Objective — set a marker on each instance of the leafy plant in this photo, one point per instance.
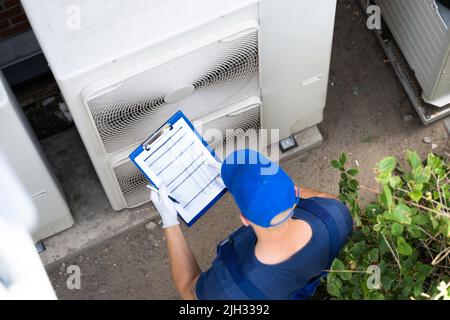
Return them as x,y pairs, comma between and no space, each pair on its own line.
405,233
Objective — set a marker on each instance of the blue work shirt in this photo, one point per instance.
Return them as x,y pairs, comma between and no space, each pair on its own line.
279,281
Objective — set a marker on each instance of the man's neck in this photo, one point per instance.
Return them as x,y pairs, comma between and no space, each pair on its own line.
277,244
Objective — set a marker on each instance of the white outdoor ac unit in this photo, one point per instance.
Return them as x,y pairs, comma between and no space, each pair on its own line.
125,67
23,152
421,30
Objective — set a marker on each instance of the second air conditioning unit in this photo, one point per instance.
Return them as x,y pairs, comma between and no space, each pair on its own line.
421,30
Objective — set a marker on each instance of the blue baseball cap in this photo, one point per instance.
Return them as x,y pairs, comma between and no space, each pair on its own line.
261,188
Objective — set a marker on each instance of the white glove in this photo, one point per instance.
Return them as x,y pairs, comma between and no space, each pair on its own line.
165,207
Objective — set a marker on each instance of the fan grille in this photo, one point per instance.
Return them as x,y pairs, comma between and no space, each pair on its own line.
221,73
132,183
232,127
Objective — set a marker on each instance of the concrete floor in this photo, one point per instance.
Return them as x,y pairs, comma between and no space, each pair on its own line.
368,126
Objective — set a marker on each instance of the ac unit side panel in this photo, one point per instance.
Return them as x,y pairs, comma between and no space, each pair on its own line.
295,51
442,95
219,73
25,156
423,37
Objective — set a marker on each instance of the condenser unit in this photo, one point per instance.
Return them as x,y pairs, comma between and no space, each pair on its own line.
23,152
125,68
421,30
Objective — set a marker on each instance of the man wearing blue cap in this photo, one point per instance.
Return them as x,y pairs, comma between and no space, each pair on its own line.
290,236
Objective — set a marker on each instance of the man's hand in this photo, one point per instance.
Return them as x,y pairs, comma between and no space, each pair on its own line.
165,207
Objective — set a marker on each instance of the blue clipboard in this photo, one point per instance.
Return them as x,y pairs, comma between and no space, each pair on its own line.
153,137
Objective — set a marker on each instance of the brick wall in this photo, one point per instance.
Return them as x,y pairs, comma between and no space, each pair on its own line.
12,19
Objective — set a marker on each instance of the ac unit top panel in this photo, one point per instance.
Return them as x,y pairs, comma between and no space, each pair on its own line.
83,34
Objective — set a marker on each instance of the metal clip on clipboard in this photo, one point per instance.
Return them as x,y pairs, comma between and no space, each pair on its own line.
156,135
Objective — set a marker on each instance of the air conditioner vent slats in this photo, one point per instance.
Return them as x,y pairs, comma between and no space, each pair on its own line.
132,183
221,73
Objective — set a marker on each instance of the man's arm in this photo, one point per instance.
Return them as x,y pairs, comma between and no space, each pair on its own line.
185,269
310,193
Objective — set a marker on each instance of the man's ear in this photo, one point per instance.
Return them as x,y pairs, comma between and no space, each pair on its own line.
244,220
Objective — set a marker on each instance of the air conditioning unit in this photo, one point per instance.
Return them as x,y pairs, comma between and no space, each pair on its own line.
22,150
125,68
421,30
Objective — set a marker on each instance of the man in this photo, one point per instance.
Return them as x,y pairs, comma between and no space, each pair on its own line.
290,236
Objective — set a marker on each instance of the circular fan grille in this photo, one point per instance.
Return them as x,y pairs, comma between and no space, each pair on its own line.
132,183
222,72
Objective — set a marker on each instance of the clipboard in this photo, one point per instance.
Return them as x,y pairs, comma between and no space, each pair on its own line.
177,155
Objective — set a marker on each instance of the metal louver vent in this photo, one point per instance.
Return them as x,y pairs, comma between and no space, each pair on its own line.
132,183
221,73
237,126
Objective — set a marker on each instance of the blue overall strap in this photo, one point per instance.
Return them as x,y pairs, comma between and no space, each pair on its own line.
312,207
231,261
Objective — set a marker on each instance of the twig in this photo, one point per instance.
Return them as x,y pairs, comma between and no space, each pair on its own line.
392,251
346,271
441,256
409,202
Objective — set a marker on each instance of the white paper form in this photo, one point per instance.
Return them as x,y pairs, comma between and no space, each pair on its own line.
180,160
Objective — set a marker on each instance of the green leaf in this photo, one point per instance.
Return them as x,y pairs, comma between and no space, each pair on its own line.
418,289
374,295
335,164
343,159
334,285
403,247
387,164
377,227
415,195
395,181
396,229
386,196
402,214
414,231
413,159
420,219
386,282
434,222
374,255
435,162
353,172
424,269
422,175
338,265
358,248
